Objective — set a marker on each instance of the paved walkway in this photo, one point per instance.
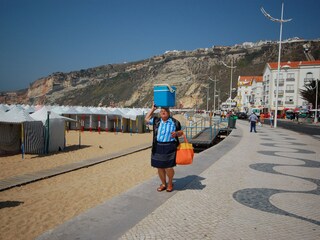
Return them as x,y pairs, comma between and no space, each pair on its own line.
263,185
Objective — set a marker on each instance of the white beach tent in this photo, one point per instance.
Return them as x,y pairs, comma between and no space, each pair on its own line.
85,115
29,109
56,138
4,108
20,132
114,120
133,121
70,112
99,118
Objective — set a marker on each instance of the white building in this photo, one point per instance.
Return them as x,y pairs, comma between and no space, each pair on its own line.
292,77
250,93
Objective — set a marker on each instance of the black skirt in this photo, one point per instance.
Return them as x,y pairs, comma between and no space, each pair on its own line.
164,155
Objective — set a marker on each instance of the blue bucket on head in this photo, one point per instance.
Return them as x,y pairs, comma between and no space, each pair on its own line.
164,95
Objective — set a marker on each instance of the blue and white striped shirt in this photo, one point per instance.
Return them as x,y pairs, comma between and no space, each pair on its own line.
164,130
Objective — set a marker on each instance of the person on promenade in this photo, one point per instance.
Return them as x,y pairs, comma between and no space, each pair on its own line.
262,119
166,131
253,121
271,118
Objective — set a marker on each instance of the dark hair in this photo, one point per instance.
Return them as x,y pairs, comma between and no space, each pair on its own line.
166,109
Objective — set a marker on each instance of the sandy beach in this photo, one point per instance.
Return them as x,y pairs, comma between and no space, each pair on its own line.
28,211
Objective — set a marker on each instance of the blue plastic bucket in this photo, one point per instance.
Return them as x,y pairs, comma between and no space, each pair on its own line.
164,95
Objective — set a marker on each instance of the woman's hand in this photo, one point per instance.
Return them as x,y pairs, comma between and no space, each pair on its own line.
149,114
154,107
176,134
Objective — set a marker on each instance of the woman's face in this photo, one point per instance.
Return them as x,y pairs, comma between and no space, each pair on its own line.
164,114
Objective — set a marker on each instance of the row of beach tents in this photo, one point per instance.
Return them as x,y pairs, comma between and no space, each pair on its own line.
42,129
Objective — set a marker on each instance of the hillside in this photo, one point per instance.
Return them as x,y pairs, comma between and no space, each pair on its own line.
131,84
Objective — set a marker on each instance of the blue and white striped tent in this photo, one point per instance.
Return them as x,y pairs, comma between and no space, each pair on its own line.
57,124
20,132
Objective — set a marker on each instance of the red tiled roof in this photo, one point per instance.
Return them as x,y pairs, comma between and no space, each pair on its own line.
247,80
274,65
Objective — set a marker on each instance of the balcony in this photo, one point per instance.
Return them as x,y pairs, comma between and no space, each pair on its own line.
281,80
289,102
280,92
289,91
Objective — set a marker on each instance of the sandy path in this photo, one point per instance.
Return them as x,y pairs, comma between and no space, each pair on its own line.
93,144
28,211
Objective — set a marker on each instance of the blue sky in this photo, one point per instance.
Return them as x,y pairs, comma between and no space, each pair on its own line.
40,37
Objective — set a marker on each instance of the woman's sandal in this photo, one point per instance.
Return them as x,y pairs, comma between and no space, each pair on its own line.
161,188
170,188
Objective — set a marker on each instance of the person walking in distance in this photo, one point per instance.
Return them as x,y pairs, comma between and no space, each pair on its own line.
262,118
166,131
271,119
253,121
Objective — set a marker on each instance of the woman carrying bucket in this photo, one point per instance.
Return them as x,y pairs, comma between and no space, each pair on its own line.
166,131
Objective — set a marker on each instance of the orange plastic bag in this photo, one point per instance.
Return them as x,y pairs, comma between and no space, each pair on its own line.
185,153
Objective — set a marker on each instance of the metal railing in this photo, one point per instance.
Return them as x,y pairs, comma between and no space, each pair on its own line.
205,123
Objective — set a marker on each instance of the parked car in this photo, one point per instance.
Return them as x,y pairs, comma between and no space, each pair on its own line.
304,114
290,114
242,115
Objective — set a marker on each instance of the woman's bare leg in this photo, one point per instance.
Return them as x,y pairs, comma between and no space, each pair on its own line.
170,174
162,176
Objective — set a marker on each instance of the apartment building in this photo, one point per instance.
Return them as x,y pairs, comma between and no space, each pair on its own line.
292,78
260,91
250,93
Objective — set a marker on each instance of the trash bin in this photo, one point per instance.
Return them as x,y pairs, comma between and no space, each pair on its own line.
232,121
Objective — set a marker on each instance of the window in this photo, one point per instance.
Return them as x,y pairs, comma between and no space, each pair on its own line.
289,100
280,76
309,75
290,88
308,78
290,75
280,79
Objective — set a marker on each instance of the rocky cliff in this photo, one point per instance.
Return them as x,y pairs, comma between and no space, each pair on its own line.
131,84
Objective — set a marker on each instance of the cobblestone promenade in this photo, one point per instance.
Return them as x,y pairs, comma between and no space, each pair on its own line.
263,185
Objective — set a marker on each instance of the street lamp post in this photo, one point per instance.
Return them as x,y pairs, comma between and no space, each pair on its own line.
279,56
231,67
208,97
316,106
214,93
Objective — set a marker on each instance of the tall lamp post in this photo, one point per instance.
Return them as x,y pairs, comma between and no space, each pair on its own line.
279,55
208,97
231,67
316,106
214,93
